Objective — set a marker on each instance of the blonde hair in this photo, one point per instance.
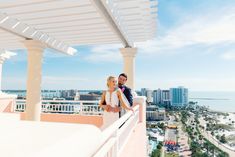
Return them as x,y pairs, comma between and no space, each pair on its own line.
109,79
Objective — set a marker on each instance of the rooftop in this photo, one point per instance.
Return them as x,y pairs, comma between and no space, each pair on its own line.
40,128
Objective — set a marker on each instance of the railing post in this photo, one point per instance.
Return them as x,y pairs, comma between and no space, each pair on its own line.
13,105
81,108
115,147
141,101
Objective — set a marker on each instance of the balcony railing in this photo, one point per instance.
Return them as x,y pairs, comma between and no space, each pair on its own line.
116,136
64,106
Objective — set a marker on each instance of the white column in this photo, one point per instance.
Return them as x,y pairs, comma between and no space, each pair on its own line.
129,65
34,76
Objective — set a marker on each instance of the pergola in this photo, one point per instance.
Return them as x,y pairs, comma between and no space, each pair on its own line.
59,25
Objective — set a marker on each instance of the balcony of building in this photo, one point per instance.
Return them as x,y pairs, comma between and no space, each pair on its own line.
69,128
35,127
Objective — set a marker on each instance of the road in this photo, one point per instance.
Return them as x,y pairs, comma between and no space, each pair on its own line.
209,137
184,150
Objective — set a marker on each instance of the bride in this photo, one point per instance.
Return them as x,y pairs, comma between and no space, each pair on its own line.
110,100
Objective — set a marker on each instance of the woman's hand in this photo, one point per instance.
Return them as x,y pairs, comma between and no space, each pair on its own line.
131,109
107,108
116,109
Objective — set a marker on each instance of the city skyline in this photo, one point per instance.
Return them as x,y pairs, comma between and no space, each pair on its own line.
183,53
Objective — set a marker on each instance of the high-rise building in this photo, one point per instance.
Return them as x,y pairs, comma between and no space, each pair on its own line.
166,98
148,93
157,96
179,96
149,96
144,91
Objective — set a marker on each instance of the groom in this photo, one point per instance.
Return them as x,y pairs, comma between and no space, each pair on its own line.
122,78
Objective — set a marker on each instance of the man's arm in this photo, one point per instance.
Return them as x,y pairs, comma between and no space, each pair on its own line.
128,95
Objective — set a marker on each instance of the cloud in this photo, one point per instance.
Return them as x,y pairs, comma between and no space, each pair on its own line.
213,28
228,55
54,78
105,53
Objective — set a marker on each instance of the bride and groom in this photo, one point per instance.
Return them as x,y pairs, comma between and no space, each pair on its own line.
114,99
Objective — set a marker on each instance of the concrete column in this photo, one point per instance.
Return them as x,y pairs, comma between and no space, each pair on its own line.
34,76
129,65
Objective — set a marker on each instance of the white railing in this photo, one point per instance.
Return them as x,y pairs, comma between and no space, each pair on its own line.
64,106
116,136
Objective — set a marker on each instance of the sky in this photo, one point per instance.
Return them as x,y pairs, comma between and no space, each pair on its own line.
194,47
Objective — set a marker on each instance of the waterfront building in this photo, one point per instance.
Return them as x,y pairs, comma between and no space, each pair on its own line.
179,96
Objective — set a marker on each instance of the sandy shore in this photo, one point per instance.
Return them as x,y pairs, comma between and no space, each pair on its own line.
228,120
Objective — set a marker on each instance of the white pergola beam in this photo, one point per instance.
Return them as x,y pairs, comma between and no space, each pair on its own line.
55,13
66,16
103,10
89,38
91,21
28,32
76,28
94,42
100,34
44,6
9,4
85,31
65,19
62,24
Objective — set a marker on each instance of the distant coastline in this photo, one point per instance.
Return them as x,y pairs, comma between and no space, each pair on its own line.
216,101
209,98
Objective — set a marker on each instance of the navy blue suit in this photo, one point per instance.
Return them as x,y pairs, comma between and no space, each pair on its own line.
127,92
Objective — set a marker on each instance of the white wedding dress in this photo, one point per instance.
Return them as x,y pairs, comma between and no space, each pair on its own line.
112,100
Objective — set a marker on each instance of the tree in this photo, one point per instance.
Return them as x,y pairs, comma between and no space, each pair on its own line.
161,126
206,145
159,146
157,152
223,139
200,137
212,133
223,154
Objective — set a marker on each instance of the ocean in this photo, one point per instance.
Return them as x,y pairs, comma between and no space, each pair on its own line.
218,101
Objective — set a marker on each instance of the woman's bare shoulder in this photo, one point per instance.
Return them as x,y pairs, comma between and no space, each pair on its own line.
119,91
104,92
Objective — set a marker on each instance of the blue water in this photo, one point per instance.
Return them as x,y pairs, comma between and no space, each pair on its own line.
219,101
